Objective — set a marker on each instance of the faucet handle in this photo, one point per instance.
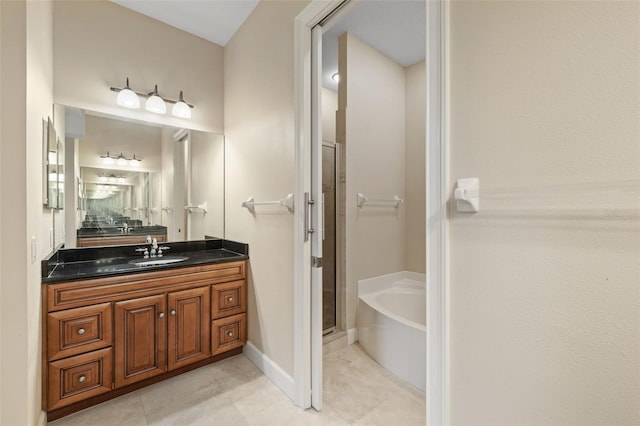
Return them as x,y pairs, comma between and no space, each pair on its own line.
144,251
165,248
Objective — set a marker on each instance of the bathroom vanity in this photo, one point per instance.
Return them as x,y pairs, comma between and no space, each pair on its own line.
115,322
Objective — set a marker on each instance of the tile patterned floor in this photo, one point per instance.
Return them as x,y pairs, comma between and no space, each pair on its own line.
233,392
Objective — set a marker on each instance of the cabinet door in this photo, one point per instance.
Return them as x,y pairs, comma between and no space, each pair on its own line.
188,326
140,343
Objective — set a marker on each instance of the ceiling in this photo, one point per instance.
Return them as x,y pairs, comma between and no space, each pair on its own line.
213,20
397,28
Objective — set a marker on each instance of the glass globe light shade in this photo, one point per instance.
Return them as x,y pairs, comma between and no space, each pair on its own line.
181,109
155,103
127,98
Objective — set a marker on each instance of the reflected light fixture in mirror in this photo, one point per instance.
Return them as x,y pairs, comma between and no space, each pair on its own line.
120,160
128,98
155,103
111,178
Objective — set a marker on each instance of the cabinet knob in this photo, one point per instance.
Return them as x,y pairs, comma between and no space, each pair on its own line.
81,331
230,334
82,379
229,299
172,313
161,315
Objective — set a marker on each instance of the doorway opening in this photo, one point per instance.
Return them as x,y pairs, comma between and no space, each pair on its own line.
372,97
308,347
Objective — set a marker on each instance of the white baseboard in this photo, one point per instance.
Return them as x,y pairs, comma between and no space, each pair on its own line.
270,369
42,420
352,335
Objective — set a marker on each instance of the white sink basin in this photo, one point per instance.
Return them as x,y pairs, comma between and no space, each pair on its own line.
158,260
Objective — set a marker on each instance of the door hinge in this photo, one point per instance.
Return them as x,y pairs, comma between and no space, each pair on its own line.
316,262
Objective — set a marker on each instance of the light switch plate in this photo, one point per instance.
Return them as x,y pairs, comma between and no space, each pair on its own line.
34,249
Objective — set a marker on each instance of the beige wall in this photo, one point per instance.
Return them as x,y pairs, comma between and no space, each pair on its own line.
26,74
259,113
99,43
375,163
545,97
329,108
415,191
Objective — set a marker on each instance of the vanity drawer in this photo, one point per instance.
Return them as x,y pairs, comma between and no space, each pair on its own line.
76,378
228,333
228,299
79,330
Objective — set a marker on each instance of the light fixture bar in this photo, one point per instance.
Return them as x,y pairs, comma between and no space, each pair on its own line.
113,159
147,95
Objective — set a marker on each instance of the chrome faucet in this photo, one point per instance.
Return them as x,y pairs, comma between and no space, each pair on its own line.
154,247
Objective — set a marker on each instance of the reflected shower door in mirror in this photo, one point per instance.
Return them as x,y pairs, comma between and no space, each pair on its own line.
54,167
136,180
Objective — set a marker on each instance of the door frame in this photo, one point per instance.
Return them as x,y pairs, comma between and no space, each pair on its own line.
437,177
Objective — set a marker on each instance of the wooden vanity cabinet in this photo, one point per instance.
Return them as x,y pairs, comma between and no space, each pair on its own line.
111,335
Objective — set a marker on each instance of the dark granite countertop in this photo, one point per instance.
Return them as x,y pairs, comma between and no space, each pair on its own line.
94,262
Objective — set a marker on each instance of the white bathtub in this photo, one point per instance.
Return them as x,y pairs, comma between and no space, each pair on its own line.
391,317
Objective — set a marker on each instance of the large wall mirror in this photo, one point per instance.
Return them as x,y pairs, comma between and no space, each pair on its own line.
135,180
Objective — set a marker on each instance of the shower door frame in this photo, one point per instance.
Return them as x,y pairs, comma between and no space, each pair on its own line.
307,354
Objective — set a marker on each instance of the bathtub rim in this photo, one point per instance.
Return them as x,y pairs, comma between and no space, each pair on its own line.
404,281
370,300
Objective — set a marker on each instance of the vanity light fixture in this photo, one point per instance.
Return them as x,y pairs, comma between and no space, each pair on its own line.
120,160
129,98
112,178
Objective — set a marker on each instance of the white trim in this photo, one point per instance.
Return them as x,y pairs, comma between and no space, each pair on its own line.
270,369
437,195
437,392
317,214
352,336
303,23
42,419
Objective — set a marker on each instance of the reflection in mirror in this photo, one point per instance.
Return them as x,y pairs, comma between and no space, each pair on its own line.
135,179
54,169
